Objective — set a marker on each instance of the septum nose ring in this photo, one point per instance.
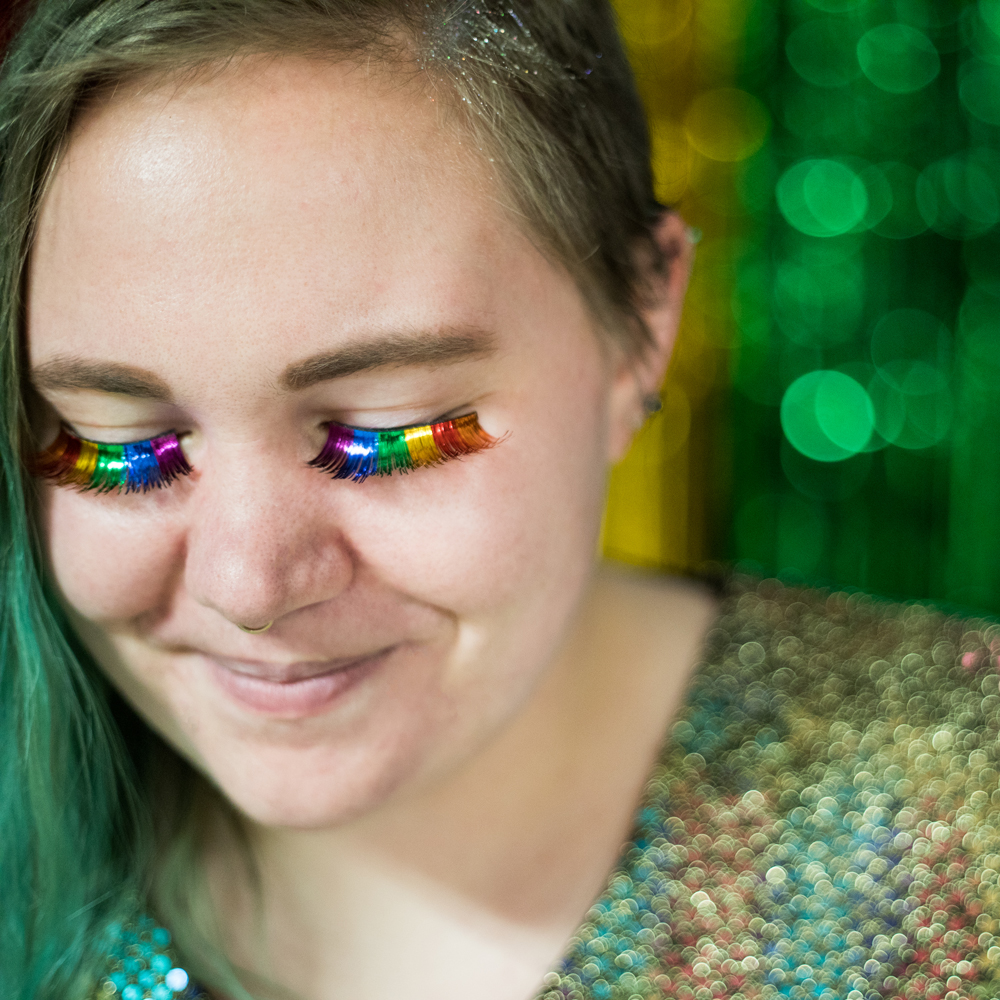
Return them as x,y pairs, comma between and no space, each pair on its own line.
255,631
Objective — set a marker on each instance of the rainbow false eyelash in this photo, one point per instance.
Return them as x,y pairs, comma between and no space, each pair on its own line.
130,468
355,453
349,453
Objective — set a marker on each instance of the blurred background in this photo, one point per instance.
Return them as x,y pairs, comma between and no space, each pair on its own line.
831,414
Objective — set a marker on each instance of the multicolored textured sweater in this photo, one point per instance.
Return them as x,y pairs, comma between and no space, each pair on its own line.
824,821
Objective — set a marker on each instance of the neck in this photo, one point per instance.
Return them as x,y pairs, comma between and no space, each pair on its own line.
504,856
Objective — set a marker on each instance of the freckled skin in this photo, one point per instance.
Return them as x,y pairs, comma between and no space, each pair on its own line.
217,232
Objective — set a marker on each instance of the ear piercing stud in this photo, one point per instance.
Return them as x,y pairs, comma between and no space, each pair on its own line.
652,404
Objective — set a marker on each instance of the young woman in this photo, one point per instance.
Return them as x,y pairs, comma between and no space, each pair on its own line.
325,319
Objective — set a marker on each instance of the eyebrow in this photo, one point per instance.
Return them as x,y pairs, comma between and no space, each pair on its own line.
398,351
65,372
100,376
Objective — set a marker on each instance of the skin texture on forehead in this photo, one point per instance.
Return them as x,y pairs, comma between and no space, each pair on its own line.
212,164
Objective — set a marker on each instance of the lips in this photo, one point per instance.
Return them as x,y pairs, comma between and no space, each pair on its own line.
295,690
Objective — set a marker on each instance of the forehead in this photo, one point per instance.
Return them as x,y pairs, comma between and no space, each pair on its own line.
260,194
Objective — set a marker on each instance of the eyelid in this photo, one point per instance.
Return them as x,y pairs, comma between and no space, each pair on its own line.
93,413
453,414
145,433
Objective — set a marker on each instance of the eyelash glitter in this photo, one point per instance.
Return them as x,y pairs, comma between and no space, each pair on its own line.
353,453
130,468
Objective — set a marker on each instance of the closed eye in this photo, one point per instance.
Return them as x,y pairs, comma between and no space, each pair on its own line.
354,453
133,467
357,453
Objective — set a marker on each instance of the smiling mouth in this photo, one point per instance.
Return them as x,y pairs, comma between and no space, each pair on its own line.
293,690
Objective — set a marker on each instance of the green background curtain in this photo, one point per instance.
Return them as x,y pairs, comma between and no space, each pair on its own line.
831,413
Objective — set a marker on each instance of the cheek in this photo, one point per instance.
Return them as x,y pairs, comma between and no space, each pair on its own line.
113,558
475,535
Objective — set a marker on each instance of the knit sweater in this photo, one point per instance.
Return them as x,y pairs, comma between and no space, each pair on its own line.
823,821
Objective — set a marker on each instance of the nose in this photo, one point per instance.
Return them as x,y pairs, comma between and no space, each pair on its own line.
263,540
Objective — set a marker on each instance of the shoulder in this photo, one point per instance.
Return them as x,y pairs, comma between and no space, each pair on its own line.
825,817
833,670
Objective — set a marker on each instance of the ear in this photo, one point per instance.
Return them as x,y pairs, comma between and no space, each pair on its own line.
638,377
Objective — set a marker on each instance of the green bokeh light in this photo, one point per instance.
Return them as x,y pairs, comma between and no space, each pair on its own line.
833,481
830,252
898,58
979,90
794,361
910,335
822,197
930,407
911,350
913,406
821,116
880,196
819,305
823,52
827,416
979,329
981,257
863,419
989,11
957,196
903,220
927,15
980,311
981,35
889,405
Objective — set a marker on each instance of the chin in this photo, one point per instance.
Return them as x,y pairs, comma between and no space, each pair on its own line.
312,790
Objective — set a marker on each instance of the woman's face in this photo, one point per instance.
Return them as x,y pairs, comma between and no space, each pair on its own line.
243,259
